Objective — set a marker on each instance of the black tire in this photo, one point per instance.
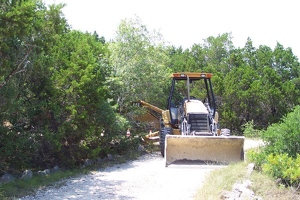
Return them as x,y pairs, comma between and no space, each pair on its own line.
162,137
242,155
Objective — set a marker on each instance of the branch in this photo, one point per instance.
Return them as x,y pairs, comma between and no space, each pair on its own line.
16,70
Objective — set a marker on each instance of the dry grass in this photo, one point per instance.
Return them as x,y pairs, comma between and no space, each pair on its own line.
263,186
221,180
266,187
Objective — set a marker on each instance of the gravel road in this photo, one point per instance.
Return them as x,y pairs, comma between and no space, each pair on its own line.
145,178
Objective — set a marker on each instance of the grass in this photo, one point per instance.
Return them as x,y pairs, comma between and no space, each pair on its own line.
266,187
263,186
221,180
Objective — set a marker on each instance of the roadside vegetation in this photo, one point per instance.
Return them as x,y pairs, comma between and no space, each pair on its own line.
221,181
66,96
23,187
276,172
280,158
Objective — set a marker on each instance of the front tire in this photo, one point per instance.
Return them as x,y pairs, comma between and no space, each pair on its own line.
162,139
242,155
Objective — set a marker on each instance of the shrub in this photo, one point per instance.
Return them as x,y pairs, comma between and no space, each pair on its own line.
284,167
1,193
249,131
283,138
257,157
293,172
280,157
16,150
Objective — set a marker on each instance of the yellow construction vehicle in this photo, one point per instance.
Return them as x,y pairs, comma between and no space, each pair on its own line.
189,128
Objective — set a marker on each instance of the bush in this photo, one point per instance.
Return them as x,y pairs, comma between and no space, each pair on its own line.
123,145
1,193
284,167
249,131
257,157
280,157
16,150
283,138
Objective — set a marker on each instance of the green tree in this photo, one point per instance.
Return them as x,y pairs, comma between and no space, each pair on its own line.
272,101
217,52
27,30
249,54
185,60
264,57
79,76
287,67
278,70
139,60
285,63
241,97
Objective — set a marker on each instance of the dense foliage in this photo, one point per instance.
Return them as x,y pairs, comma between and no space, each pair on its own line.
280,157
283,137
283,168
139,61
66,96
54,104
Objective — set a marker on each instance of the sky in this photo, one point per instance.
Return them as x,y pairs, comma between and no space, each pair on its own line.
188,22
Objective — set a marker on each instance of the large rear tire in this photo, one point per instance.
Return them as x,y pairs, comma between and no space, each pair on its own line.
162,138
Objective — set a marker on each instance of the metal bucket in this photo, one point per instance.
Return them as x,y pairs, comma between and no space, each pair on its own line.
219,149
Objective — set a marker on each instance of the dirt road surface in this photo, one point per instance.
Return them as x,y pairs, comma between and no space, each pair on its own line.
143,179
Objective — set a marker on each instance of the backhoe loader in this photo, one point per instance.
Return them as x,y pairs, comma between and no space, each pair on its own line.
189,128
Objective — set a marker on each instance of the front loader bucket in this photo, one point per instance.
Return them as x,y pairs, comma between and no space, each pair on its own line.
219,149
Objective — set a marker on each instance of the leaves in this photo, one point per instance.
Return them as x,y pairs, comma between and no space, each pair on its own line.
54,89
284,167
139,63
283,137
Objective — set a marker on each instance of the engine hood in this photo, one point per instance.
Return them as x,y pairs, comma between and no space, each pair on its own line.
195,107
